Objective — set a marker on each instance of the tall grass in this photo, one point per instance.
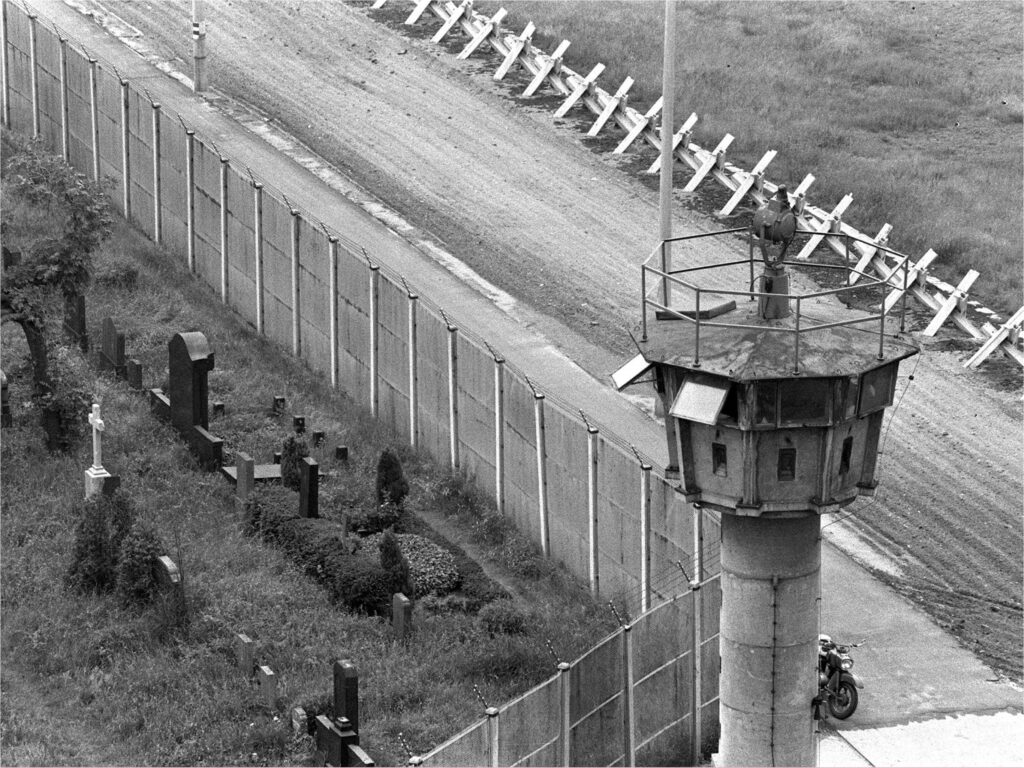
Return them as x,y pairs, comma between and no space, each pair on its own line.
913,108
87,681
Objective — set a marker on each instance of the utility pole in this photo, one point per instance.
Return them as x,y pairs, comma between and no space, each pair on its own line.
198,47
668,89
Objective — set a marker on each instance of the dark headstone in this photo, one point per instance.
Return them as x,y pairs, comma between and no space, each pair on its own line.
318,438
74,321
5,402
278,404
112,349
401,615
277,457
341,453
346,692
299,424
218,408
309,488
208,448
329,746
190,359
267,681
133,369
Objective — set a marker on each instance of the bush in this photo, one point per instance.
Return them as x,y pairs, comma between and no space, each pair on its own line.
104,522
393,562
377,520
293,452
136,581
359,583
504,617
391,483
433,568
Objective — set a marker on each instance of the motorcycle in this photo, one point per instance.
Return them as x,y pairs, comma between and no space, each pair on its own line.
837,685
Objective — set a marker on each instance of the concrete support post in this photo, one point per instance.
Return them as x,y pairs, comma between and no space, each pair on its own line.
771,571
65,126
493,735
224,230
542,472
645,537
33,64
190,198
5,72
453,394
296,309
126,169
592,459
332,292
157,199
374,362
257,226
696,673
413,375
499,434
628,699
565,715
94,118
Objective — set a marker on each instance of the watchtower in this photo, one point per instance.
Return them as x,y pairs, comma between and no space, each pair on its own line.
773,405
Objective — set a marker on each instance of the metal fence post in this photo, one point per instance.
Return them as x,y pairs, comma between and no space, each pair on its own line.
190,198
5,73
542,472
332,289
296,315
453,394
592,459
645,537
374,311
33,73
493,734
413,378
94,117
499,434
697,666
65,129
224,230
126,171
157,200
257,225
565,721
629,701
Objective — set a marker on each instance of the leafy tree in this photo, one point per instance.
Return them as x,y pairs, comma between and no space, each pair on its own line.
293,452
394,562
71,217
391,483
103,524
136,580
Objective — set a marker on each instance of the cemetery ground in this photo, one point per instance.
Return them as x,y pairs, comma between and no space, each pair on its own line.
86,680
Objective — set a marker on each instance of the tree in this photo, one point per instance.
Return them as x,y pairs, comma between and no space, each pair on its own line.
394,562
58,218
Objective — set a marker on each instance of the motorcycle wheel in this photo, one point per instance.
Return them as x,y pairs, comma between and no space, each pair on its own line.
843,703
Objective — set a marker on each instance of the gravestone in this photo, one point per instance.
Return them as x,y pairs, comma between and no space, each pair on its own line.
96,476
112,350
133,370
245,478
318,437
245,653
267,681
74,321
171,587
299,424
190,359
401,615
309,488
300,721
346,692
5,403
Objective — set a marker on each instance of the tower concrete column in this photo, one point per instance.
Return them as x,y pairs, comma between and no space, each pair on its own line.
771,576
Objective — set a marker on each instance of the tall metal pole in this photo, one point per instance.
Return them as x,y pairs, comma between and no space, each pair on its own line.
198,47
668,89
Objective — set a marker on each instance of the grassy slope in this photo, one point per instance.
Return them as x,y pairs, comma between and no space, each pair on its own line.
87,682
913,108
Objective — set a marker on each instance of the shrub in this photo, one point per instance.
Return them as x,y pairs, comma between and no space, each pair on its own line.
391,483
393,562
104,522
377,520
293,452
136,581
504,617
359,583
432,567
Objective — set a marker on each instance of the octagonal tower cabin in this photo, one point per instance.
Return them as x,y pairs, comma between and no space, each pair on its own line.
773,410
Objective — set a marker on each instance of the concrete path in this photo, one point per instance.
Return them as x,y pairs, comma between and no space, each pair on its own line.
926,701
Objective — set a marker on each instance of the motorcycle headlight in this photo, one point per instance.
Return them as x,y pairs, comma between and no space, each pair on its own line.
846,663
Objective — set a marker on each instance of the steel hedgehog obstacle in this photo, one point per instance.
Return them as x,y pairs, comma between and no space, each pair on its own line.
773,404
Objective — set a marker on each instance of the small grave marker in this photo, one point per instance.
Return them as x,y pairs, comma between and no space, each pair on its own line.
278,407
318,437
341,453
401,615
299,424
218,408
309,488
133,370
267,681
5,403
112,349
245,478
346,692
96,475
245,653
300,721
277,457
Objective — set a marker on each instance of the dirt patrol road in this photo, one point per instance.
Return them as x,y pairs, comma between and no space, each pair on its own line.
527,205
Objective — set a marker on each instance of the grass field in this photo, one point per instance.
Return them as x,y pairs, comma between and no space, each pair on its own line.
87,681
914,108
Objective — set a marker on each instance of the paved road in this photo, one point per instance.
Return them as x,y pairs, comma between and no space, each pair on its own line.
926,700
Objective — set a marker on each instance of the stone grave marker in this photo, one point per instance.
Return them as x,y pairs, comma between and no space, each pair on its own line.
133,371
96,476
299,424
190,359
74,321
401,615
267,681
245,478
112,350
346,692
169,578
245,653
309,488
300,721
5,403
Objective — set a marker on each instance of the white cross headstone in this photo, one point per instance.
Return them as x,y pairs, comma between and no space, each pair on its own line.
96,474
